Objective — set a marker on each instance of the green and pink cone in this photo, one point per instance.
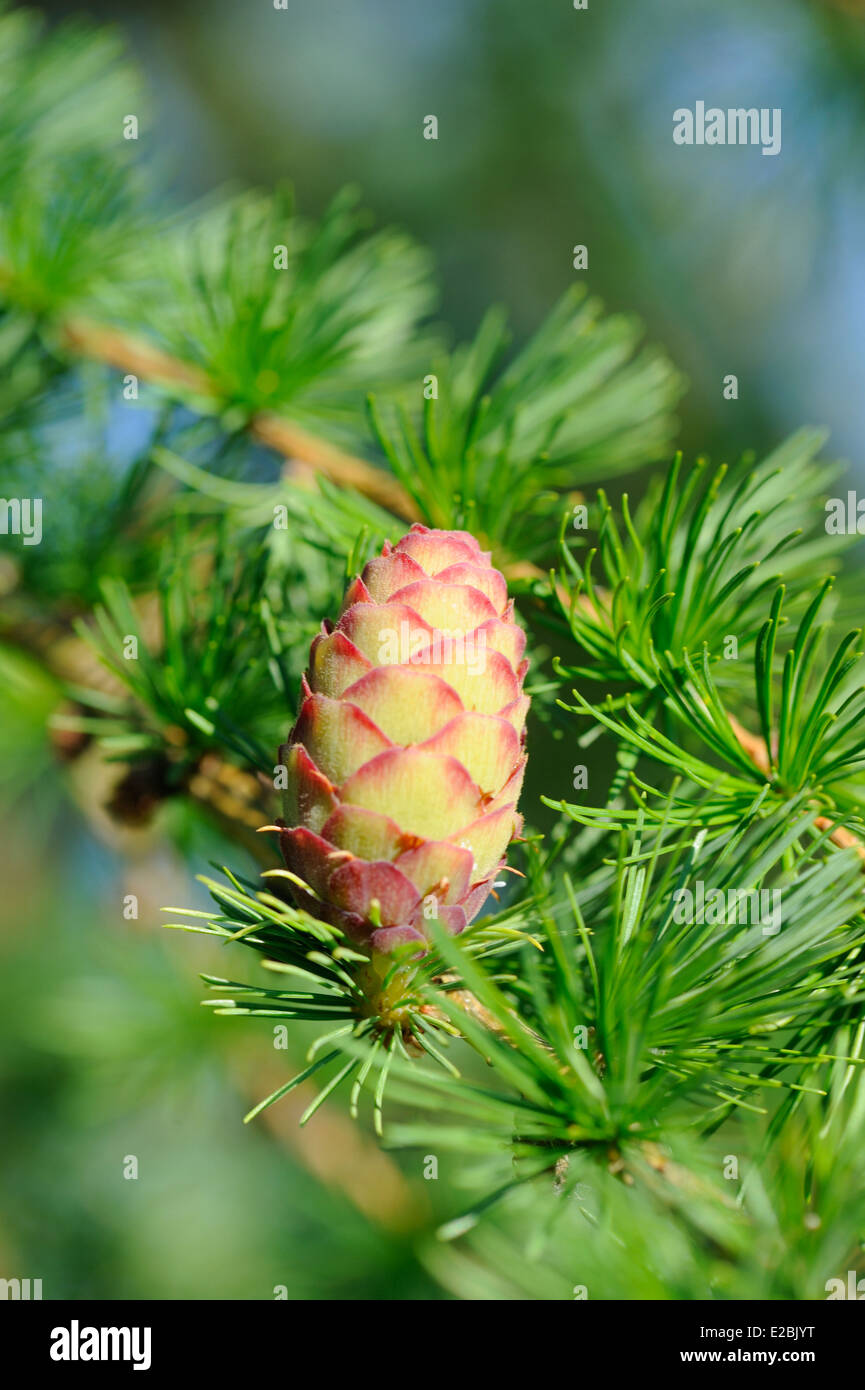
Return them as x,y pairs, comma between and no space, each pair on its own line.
406,761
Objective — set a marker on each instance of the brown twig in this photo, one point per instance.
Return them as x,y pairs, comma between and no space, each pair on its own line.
103,343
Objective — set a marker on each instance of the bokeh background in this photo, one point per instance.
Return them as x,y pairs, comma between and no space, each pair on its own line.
555,128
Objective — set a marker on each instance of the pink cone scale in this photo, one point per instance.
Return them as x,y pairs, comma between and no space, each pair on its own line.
404,768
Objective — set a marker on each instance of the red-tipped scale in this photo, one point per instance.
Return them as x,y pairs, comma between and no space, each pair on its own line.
406,761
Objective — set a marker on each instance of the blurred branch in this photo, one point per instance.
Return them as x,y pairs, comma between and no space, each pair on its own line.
339,1153
233,796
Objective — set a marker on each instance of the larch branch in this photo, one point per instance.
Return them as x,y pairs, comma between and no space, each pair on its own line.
104,343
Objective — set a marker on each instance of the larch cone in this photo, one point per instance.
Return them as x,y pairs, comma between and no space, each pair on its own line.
404,768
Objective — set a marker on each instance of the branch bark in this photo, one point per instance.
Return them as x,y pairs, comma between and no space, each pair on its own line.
103,343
